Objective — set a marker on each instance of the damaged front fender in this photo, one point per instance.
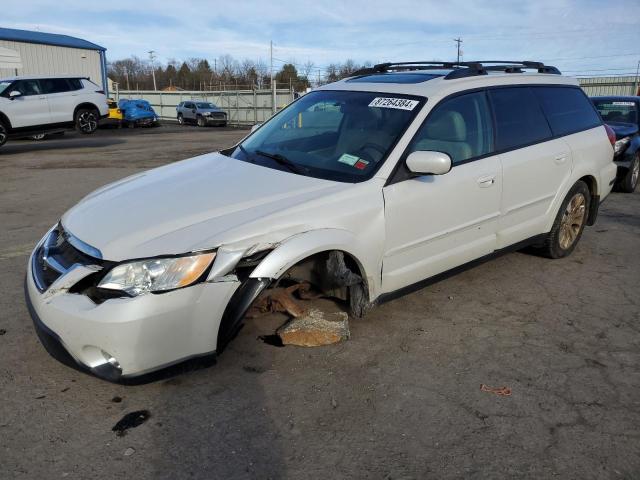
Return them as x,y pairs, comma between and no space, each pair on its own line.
306,244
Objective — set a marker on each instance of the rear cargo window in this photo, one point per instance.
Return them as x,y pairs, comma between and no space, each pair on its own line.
519,118
567,109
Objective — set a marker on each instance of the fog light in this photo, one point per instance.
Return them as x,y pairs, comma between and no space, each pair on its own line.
111,359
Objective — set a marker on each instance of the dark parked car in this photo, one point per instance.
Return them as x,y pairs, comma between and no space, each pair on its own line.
622,114
200,113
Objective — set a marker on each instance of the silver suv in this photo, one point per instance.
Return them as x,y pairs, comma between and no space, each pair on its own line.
200,113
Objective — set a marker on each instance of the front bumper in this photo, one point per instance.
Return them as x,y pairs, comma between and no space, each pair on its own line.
216,121
124,338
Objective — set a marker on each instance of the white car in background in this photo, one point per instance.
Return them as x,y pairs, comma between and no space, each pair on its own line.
34,105
366,188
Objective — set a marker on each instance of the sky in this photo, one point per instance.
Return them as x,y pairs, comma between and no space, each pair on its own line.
581,37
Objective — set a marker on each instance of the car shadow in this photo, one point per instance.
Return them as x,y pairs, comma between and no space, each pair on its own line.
15,148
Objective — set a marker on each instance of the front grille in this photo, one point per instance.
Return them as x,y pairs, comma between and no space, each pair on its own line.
218,115
55,257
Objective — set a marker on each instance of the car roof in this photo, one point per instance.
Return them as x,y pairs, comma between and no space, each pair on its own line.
437,85
39,77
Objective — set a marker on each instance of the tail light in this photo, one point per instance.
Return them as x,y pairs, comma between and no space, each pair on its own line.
611,134
119,111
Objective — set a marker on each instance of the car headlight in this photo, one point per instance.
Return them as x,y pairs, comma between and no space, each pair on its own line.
206,114
621,145
157,274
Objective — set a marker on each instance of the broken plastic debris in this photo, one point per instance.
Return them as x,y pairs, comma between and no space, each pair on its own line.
282,300
131,420
502,391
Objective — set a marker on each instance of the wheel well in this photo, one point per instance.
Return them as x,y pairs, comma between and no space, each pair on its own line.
592,185
86,105
5,121
334,273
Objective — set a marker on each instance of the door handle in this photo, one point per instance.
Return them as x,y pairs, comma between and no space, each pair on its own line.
487,181
42,97
561,158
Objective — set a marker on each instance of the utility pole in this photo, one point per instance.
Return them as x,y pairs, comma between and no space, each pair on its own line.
126,74
635,84
458,41
152,57
273,86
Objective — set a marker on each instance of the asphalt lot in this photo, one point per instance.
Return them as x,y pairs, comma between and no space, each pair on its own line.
400,400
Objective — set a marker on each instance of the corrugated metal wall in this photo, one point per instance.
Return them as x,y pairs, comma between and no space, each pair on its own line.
594,86
243,107
40,59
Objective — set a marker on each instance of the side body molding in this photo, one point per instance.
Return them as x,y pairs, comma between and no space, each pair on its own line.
303,245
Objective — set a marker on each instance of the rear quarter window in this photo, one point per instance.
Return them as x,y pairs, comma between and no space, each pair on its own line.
568,109
519,118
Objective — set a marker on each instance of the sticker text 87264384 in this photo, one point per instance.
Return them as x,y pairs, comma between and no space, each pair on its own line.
399,103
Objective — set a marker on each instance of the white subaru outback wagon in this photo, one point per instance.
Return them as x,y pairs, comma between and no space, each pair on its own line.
365,188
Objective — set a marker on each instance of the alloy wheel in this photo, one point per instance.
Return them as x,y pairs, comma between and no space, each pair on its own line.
635,173
87,121
3,135
572,220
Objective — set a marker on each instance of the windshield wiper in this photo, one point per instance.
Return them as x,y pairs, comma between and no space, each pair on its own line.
246,154
281,159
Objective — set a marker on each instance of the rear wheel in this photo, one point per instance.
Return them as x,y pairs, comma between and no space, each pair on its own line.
569,224
38,136
629,182
3,134
86,120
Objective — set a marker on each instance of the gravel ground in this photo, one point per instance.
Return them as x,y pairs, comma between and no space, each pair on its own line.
401,399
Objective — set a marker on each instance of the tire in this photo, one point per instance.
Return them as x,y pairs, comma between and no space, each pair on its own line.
39,136
180,119
569,223
86,120
629,182
201,121
3,134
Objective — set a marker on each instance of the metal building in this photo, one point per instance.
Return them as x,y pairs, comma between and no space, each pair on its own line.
37,53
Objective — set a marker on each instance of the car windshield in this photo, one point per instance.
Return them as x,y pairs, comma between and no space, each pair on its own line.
624,111
334,135
4,85
205,105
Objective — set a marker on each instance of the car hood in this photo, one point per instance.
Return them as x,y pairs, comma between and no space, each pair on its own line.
190,205
623,129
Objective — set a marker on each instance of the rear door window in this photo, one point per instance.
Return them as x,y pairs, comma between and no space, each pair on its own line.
519,118
567,109
55,85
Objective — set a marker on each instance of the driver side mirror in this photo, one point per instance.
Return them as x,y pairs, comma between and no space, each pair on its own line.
14,94
255,127
428,163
